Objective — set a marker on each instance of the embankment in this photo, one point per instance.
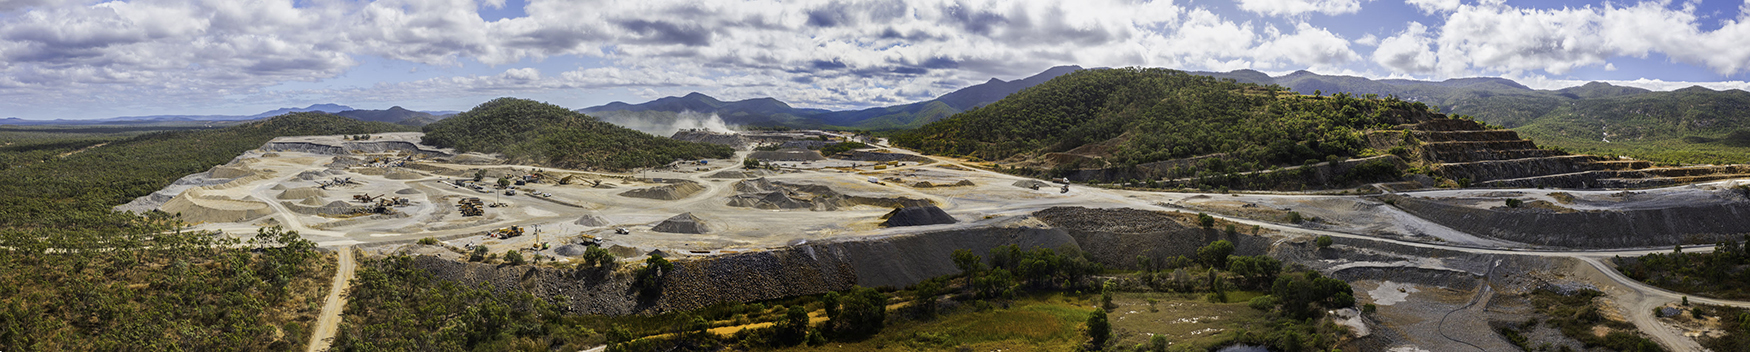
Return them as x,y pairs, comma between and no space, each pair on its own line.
1589,229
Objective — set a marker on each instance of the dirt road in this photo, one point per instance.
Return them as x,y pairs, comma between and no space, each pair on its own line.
329,322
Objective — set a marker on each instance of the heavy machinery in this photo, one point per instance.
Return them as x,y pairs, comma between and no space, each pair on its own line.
366,198
470,207
504,233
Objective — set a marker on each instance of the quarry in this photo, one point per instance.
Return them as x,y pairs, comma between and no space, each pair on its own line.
1441,264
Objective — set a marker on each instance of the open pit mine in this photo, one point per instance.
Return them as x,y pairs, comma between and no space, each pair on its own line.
1440,265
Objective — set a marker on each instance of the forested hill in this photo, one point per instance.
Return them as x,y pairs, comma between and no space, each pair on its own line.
538,132
1130,116
1690,125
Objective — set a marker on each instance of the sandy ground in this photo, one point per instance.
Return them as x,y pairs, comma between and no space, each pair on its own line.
328,323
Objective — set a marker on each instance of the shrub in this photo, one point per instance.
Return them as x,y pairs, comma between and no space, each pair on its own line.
1205,221
513,257
1294,217
1514,203
1099,330
479,254
1263,303
1324,241
428,241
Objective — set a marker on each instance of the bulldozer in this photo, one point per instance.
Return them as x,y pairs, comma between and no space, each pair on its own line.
505,233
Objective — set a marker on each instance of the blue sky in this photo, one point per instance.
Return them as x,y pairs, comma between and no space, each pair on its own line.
84,59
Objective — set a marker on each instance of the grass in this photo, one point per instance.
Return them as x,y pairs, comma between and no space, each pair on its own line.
1188,321
1055,322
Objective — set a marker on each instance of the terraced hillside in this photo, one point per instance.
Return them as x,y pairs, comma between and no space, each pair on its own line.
1466,152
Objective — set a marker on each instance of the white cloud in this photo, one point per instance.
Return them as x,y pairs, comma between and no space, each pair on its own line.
168,54
1367,40
1544,82
1296,7
1409,51
1431,7
1497,38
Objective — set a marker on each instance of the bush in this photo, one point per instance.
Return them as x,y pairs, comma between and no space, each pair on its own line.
479,254
1324,241
1205,221
428,241
1514,203
1099,329
513,257
1294,217
1263,303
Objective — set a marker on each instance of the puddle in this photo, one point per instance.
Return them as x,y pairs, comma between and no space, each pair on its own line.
1390,293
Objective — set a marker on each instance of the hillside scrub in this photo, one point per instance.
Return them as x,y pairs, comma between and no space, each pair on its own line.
1723,273
551,135
1147,115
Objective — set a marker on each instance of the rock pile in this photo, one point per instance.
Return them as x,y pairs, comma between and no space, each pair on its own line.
676,191
683,223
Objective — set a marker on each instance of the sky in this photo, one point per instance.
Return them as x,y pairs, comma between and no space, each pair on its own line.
83,59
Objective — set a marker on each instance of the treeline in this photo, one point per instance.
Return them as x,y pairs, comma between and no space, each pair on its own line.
551,135
1723,273
1145,115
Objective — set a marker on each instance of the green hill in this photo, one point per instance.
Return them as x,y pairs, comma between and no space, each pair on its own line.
531,131
1691,125
1125,117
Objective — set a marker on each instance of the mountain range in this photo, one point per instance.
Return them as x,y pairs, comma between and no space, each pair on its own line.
396,115
767,112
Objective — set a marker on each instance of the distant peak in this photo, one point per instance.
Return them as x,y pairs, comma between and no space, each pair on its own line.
697,95
396,108
993,80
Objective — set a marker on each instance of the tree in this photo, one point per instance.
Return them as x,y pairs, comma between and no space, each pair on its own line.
1324,241
649,278
750,163
862,311
1099,330
1255,271
479,175
1205,221
479,254
967,262
503,182
1214,255
514,257
793,330
595,256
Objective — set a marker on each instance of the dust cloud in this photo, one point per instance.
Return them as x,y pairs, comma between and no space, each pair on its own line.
663,123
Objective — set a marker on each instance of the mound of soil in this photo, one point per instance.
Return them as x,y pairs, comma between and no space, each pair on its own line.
278,187
312,201
684,223
302,192
927,184
917,216
1030,184
676,191
197,209
223,171
407,191
592,220
401,174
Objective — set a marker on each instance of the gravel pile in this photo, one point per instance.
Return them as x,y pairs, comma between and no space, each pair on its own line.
917,216
683,223
676,191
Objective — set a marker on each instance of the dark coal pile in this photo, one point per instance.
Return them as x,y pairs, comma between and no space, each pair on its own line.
792,154
917,216
684,223
570,250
